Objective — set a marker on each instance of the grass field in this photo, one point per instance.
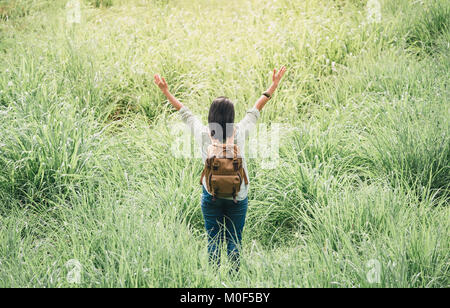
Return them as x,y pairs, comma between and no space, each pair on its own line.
361,198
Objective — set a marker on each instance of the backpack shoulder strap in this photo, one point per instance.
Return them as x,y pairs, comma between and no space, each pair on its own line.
245,176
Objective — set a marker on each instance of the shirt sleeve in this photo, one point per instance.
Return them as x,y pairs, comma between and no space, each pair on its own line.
248,123
193,123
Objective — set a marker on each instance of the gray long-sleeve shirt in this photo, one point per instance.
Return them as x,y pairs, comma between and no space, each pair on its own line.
201,135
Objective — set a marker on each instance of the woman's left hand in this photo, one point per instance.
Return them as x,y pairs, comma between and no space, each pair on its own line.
161,83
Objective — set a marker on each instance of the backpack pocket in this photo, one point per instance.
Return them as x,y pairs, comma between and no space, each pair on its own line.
226,185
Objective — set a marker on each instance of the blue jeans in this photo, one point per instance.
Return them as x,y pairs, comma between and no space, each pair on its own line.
223,217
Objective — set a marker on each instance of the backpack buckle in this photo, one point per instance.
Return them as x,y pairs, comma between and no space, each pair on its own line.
216,165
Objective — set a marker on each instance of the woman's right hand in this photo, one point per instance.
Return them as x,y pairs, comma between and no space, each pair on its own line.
276,77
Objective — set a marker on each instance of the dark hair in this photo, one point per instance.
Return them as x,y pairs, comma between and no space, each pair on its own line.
221,112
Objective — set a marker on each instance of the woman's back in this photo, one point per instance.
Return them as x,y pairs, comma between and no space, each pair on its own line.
202,135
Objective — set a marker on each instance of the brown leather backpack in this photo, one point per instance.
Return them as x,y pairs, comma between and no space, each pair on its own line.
223,171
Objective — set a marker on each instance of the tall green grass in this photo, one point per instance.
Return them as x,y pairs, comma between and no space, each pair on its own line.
86,164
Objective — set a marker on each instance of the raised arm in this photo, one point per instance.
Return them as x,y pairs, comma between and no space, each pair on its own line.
162,84
193,123
276,77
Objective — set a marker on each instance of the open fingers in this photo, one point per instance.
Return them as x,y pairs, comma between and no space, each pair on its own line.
282,71
157,80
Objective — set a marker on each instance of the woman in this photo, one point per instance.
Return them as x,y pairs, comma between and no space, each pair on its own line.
223,216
